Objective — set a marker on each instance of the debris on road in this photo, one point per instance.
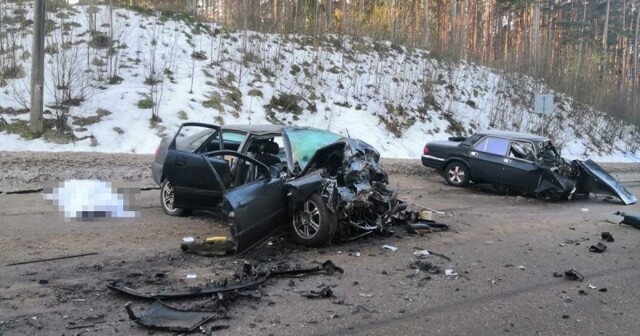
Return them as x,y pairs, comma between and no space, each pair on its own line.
256,278
210,246
608,237
572,274
421,253
521,267
450,273
389,247
425,266
630,219
50,259
592,286
324,293
598,248
426,227
163,317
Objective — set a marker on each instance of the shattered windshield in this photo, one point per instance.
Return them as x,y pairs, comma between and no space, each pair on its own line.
305,142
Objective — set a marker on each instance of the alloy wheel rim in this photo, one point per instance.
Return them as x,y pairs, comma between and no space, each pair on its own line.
167,196
456,175
307,220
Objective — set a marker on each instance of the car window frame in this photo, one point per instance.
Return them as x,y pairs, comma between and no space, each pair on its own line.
493,137
533,147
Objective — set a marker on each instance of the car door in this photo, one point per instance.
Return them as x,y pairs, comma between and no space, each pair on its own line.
487,159
520,170
196,185
256,208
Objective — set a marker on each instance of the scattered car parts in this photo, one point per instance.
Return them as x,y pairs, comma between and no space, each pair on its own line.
572,274
598,248
630,219
256,278
163,317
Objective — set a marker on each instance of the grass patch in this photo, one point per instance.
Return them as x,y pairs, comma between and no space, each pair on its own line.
90,120
146,103
118,130
214,102
255,93
289,103
182,115
19,127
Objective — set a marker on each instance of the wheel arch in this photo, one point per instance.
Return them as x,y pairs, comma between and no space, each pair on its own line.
450,160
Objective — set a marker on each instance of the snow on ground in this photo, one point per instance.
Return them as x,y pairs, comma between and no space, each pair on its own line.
394,98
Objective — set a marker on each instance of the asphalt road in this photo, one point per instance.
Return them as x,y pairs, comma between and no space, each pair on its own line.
504,248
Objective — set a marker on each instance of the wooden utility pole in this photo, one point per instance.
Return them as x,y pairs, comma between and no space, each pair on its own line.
37,73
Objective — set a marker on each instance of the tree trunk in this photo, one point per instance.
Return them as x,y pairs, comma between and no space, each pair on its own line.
426,31
635,67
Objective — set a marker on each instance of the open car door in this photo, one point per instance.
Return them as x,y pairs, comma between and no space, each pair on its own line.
256,208
198,181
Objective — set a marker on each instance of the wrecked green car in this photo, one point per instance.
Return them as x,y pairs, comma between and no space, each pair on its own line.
319,184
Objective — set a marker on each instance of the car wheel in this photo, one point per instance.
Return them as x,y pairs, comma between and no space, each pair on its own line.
457,174
166,199
313,224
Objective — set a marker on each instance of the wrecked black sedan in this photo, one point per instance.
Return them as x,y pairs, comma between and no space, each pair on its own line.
264,177
525,163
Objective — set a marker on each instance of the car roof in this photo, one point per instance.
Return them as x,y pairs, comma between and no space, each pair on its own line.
256,129
513,135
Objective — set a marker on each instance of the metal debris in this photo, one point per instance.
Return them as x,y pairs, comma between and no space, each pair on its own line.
572,274
56,258
256,278
324,293
630,219
598,248
606,236
160,316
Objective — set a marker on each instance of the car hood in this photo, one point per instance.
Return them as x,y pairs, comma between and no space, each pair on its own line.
595,179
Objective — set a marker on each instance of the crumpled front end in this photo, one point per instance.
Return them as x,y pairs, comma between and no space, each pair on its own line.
355,187
562,180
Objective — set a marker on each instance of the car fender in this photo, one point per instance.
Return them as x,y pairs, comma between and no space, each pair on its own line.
300,189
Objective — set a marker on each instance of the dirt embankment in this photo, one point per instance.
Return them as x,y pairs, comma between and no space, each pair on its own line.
32,170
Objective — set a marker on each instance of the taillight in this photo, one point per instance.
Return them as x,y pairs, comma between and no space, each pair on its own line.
425,151
158,151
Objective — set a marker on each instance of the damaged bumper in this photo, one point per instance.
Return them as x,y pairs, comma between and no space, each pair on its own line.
581,178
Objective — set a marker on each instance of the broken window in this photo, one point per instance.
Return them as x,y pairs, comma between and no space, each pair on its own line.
305,142
492,145
522,150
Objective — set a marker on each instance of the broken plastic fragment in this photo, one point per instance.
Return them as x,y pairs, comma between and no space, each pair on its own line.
608,237
573,275
522,267
160,316
390,248
598,248
592,286
421,253
450,272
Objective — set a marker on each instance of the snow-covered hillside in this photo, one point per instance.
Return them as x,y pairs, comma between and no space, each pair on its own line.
395,98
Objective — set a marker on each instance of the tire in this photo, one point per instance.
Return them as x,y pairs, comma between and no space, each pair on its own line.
312,223
457,174
166,200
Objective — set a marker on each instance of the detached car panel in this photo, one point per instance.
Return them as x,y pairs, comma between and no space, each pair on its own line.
522,162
